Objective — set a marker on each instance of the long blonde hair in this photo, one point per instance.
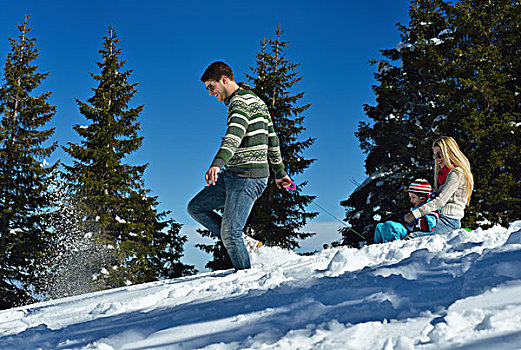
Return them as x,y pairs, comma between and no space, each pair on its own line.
453,155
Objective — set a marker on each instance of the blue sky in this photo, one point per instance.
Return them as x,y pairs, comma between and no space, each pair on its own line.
168,44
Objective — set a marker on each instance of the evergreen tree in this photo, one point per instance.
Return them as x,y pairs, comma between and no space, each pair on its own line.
456,78
278,215
397,142
220,258
23,174
112,192
169,257
486,104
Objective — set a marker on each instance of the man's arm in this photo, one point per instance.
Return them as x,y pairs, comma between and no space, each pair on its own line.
275,156
237,126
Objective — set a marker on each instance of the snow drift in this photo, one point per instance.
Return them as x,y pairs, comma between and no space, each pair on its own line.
462,291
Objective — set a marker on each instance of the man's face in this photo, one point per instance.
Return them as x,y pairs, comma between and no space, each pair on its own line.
216,88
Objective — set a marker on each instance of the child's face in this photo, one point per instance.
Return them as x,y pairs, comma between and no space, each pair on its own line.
415,200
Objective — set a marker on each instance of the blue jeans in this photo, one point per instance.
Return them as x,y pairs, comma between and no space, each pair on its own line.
235,195
444,226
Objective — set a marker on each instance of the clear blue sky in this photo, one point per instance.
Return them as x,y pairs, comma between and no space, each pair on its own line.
168,44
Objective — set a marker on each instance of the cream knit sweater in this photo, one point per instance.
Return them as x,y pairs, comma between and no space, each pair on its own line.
451,199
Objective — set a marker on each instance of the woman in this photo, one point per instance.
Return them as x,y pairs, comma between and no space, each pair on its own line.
453,183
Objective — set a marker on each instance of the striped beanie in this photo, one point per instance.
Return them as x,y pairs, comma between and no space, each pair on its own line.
420,187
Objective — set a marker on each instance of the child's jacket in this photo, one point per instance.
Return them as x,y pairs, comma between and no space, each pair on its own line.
391,230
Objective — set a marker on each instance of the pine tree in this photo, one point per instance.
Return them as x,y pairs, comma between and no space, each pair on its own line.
456,78
220,258
398,141
113,192
278,215
486,105
507,37
23,174
169,257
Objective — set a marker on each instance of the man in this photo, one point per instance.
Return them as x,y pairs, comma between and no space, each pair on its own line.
248,151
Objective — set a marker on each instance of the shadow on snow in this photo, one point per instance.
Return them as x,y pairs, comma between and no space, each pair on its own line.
371,294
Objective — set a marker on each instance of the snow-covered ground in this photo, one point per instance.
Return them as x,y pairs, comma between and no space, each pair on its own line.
457,292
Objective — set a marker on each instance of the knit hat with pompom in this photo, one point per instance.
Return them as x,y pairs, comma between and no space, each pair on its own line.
421,188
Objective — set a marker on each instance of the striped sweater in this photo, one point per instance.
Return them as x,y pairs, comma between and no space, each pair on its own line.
250,146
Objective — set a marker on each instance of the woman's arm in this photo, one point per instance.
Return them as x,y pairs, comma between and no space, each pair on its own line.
451,185
428,222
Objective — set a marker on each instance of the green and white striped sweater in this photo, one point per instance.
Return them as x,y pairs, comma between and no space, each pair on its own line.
250,146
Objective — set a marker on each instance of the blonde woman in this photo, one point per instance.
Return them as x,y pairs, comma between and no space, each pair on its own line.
453,184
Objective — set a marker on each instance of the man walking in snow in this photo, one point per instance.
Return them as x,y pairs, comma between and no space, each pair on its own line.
247,152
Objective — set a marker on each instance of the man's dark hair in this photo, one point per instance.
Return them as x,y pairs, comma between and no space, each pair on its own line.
216,70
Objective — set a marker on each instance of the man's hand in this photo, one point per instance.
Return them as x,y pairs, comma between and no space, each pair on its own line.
285,181
409,218
211,175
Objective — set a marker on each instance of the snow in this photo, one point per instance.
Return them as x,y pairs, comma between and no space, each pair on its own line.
440,118
401,46
371,178
446,32
461,291
383,66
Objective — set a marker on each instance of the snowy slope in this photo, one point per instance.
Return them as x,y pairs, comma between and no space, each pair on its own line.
459,292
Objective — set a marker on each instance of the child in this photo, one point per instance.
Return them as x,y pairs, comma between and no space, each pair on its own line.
419,192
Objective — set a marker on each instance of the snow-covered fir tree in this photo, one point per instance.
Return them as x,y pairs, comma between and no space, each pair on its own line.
113,192
24,174
454,73
486,104
169,257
